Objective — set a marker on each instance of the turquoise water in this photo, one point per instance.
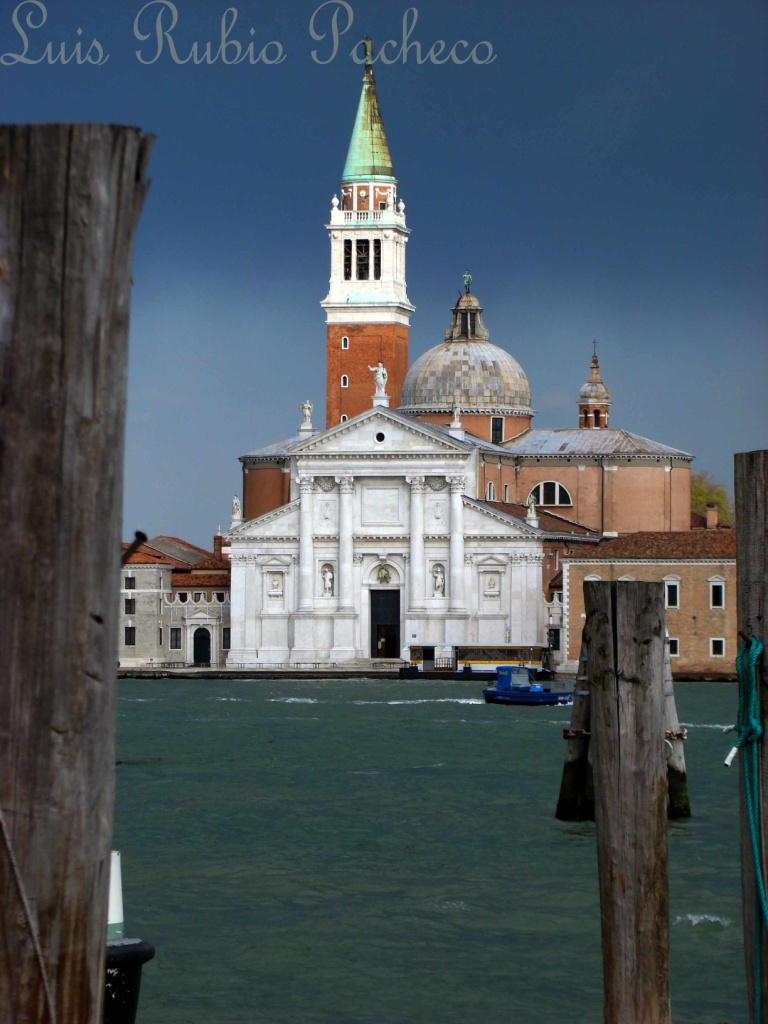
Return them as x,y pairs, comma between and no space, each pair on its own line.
385,852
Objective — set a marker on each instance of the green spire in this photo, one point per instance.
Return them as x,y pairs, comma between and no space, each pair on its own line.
368,157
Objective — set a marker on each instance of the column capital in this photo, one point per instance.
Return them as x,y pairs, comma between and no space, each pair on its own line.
306,484
346,484
418,483
457,484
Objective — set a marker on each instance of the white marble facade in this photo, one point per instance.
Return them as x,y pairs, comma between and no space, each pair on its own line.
381,547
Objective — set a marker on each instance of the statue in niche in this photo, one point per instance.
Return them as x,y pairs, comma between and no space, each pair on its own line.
492,583
327,581
438,575
379,378
306,412
237,509
437,512
275,583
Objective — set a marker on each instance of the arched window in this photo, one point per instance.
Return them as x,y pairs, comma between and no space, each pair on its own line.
596,417
506,492
344,380
490,491
345,342
344,418
550,492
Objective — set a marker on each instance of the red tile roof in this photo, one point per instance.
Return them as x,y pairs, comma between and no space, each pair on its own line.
200,581
145,555
681,545
216,564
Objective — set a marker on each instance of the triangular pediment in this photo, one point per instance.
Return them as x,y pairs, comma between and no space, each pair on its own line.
380,431
281,522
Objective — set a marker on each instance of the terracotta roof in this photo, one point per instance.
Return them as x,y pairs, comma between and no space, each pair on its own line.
212,564
200,581
688,544
145,555
548,521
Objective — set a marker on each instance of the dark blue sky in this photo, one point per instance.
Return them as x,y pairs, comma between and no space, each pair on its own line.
603,177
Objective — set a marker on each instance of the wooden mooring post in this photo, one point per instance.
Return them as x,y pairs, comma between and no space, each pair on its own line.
625,643
751,494
70,196
576,801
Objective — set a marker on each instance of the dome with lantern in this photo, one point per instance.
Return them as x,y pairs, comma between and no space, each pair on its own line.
466,371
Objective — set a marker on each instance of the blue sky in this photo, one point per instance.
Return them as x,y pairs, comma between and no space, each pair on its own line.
604,176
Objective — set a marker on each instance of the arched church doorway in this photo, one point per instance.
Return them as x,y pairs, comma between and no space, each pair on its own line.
385,623
201,646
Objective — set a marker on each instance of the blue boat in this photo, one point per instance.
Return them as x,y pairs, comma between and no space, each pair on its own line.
517,685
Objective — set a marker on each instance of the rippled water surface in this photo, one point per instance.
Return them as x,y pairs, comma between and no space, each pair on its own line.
386,852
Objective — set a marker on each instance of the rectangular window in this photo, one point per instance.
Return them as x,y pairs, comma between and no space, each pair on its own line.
183,596
226,634
130,606
550,497
130,582
197,597
717,648
363,253
130,636
159,636
175,644
674,647
717,595
497,429
220,596
376,259
348,259
672,594
554,639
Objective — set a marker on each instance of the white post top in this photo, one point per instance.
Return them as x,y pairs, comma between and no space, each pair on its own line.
115,920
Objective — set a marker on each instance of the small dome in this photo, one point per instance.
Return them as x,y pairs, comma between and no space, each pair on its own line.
467,371
593,390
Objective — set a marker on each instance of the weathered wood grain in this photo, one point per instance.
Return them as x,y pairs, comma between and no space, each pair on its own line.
576,800
625,643
751,494
70,197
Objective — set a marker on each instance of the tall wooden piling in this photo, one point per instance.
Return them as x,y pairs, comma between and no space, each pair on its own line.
625,642
576,801
678,802
70,197
751,494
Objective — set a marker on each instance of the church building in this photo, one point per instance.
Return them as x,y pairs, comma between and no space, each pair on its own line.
428,510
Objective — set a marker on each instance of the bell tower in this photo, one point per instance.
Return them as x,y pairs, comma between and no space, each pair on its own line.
594,398
367,308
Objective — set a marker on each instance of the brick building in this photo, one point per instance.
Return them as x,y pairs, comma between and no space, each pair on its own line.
698,569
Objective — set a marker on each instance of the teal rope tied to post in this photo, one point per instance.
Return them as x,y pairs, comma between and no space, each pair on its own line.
750,728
